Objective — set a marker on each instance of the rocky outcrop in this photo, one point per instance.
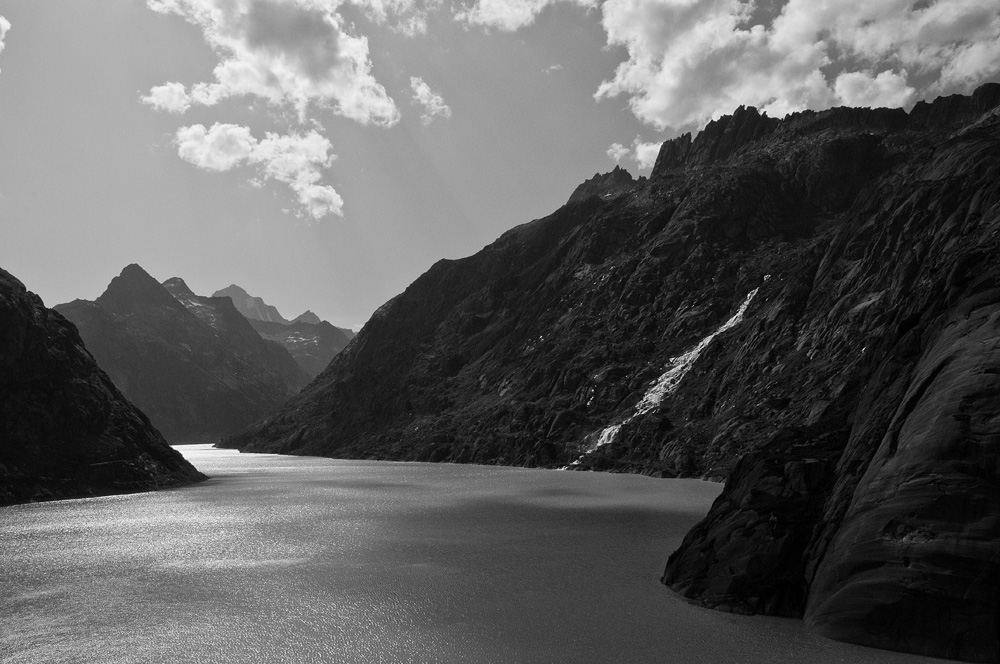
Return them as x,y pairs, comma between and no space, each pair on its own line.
922,531
193,364
65,429
805,306
898,549
607,185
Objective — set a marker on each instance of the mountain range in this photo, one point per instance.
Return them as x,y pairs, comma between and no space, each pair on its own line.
193,364
65,429
807,307
311,341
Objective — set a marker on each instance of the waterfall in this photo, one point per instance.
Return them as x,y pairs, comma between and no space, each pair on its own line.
668,381
678,367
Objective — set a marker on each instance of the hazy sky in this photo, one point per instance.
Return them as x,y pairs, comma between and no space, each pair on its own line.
322,154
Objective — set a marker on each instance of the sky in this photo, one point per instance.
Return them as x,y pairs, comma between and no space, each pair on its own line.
322,154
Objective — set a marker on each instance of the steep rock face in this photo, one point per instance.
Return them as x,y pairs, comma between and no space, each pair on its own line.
198,373
778,303
65,429
902,553
922,531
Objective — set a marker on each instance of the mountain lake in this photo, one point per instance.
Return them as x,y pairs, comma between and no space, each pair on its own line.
300,559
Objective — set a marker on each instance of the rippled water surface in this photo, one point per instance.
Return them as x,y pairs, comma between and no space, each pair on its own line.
291,559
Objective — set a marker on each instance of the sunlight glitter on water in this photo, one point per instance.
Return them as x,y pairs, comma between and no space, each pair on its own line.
296,559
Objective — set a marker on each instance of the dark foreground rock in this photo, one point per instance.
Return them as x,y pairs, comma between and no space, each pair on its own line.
65,430
807,306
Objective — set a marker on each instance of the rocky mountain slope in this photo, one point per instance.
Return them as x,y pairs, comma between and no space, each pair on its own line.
193,364
308,316
250,306
311,341
608,185
65,429
312,345
808,306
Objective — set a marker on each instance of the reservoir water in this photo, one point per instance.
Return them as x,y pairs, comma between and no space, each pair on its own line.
299,559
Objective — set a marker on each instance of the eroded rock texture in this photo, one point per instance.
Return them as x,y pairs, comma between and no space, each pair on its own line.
803,305
65,430
916,562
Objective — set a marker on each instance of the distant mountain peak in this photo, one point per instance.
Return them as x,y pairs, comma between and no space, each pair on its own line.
307,316
232,289
194,364
134,288
176,286
251,307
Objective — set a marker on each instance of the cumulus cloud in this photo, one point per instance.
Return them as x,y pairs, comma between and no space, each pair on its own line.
408,17
293,52
169,97
617,152
220,148
432,103
690,60
507,15
643,153
4,27
859,88
293,159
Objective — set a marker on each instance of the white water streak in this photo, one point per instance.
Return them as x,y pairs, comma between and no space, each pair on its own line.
668,382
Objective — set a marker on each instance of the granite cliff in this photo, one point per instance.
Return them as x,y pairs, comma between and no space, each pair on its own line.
65,429
809,307
193,364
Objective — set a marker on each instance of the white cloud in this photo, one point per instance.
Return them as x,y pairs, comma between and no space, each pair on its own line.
292,52
690,60
168,97
617,152
4,27
508,15
408,17
861,89
220,148
432,103
644,154
293,159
